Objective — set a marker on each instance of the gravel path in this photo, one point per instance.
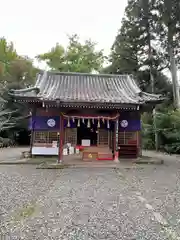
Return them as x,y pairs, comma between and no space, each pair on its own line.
91,203
11,154
161,187
20,186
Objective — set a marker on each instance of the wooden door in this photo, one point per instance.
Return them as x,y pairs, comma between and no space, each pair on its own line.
70,136
103,137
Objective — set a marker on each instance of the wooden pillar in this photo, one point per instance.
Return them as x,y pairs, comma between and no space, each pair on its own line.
34,110
61,139
139,143
116,136
139,137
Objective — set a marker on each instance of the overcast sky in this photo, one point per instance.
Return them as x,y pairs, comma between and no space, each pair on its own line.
36,25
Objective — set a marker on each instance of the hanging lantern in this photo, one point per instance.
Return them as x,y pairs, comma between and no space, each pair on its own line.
68,124
83,120
98,123
103,120
78,125
88,124
93,120
73,119
108,126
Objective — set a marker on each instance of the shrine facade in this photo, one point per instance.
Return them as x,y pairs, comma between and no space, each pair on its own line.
98,114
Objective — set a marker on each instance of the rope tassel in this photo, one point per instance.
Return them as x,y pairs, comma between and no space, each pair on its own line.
68,124
78,125
88,124
108,126
98,123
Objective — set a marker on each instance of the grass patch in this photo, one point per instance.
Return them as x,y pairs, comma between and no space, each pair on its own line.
42,160
149,161
35,161
46,165
25,212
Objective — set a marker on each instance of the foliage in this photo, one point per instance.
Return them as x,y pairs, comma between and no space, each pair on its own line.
77,57
168,128
169,25
147,132
130,51
149,39
15,72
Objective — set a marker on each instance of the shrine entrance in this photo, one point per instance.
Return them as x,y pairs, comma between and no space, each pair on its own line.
86,133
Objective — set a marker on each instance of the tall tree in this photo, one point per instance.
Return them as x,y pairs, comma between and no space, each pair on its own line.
14,69
131,49
15,72
169,29
77,57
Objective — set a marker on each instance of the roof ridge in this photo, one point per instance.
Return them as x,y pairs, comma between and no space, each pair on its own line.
84,74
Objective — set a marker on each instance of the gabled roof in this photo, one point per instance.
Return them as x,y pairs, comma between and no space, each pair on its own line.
86,88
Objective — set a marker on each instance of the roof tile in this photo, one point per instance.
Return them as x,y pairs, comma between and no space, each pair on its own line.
88,88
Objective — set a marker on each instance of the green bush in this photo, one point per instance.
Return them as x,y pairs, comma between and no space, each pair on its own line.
168,129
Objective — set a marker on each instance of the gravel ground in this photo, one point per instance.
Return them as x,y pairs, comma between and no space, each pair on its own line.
11,154
94,203
21,185
161,187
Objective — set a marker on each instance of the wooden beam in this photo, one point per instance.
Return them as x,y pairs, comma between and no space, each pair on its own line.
116,136
61,139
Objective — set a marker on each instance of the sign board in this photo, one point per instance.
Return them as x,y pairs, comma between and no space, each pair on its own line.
86,142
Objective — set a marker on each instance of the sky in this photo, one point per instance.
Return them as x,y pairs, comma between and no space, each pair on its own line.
34,26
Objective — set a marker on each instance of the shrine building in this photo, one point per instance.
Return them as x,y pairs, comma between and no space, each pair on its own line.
98,113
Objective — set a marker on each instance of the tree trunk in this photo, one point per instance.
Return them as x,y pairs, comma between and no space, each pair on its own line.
150,57
174,78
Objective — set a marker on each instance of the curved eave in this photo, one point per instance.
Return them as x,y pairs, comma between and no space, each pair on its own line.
72,104
25,99
153,102
78,103
25,90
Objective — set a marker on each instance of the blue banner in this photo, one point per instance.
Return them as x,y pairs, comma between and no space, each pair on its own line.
126,123
45,123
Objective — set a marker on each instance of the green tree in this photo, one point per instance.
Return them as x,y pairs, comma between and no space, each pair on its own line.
77,57
15,72
169,33
131,49
145,47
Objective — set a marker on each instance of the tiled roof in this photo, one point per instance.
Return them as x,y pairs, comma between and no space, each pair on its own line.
80,87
